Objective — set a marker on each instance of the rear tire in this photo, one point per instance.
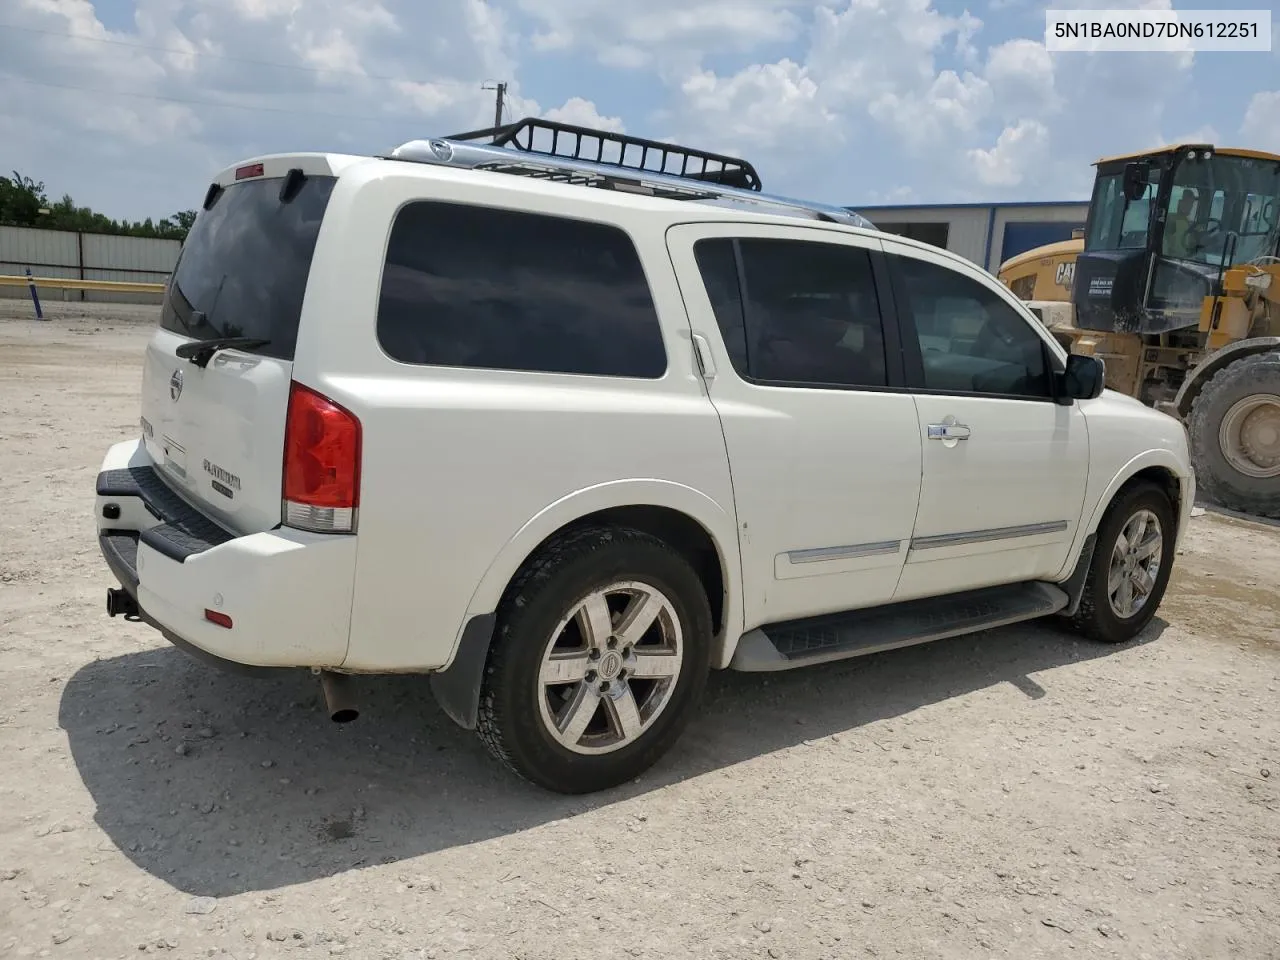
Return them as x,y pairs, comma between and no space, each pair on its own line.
1235,436
600,656
1143,515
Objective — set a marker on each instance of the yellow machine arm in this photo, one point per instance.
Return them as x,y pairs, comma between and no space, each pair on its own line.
1249,305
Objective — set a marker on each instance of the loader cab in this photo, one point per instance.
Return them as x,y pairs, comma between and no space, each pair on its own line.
1162,229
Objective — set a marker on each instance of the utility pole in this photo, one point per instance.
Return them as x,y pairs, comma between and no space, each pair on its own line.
501,93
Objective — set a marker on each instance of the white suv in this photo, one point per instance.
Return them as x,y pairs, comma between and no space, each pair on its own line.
566,434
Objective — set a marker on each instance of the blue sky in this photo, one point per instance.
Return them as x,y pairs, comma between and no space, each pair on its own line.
130,105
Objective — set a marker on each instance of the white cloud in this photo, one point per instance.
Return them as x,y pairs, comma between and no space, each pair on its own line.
842,100
867,60
951,105
756,107
1261,126
631,36
875,48
1021,75
582,112
292,74
266,9
1017,152
429,99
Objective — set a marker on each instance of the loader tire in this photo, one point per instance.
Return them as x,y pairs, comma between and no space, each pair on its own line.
1235,436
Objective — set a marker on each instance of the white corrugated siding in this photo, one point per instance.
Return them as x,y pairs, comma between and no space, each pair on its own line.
967,226
57,253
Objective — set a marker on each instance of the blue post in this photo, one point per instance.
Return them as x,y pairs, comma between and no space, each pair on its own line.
35,297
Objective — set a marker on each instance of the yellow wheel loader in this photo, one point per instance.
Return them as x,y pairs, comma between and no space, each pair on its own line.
1175,284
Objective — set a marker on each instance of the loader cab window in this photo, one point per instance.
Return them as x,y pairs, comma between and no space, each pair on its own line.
1118,223
1223,209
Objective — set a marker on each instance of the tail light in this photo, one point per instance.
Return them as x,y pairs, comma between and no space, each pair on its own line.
321,486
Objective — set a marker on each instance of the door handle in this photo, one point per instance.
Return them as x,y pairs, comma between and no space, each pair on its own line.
702,351
948,431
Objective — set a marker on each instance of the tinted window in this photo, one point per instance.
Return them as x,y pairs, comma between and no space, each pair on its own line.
717,263
810,316
468,286
1119,223
243,268
971,341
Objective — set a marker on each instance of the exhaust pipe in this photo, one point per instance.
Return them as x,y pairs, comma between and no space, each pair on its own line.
338,698
121,604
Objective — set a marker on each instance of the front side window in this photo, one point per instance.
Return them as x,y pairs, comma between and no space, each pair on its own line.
471,286
971,340
1223,209
1119,223
798,312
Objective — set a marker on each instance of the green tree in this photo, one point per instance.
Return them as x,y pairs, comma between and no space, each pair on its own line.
22,199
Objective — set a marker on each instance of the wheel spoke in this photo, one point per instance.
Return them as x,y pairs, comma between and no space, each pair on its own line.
1144,581
623,713
564,667
1137,529
1114,578
1149,548
1125,597
578,713
639,617
654,665
594,620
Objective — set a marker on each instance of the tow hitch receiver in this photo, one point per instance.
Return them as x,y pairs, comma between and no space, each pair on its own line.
121,604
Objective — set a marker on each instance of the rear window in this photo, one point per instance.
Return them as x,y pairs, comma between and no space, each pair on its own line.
470,286
243,269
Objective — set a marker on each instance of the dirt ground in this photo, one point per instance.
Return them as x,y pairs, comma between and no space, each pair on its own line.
1018,794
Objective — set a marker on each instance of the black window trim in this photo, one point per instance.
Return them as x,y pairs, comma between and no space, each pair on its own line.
914,359
500,372
895,363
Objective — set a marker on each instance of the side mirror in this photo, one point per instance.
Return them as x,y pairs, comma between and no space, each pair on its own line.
1083,379
1136,178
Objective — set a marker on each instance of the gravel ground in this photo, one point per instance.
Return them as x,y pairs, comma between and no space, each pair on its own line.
1018,794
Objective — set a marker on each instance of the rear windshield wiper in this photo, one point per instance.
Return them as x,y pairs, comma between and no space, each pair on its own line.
200,352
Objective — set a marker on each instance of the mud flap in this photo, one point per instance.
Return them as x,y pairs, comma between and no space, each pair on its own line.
1074,585
457,689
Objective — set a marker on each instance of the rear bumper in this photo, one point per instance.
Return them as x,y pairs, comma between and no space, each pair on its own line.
288,593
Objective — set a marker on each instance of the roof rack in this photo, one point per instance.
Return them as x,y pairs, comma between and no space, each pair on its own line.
510,156
633,153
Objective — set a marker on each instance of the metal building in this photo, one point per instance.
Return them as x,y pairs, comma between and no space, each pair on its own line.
986,233
85,256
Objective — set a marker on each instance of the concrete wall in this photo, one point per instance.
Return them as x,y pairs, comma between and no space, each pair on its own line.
86,256
976,231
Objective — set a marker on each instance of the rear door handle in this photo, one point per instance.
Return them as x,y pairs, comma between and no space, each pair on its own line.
702,350
948,431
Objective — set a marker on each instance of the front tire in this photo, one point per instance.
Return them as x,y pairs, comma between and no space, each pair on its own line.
1235,436
1130,568
600,656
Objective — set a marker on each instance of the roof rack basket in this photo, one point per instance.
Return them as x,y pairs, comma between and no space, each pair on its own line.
634,153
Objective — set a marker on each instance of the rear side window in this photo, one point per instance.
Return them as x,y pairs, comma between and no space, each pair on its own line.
811,316
243,269
470,286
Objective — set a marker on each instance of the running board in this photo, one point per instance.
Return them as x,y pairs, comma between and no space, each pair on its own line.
838,636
